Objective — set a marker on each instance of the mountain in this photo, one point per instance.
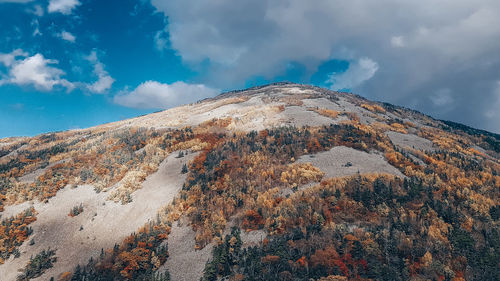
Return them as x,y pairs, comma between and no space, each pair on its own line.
279,182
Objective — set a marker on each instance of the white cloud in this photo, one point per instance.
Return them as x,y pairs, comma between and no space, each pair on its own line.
357,73
62,6
37,71
67,36
104,80
152,94
33,70
41,73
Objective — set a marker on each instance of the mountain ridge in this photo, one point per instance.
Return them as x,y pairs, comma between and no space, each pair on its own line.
226,94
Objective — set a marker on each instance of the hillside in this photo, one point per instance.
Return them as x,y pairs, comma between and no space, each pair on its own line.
279,182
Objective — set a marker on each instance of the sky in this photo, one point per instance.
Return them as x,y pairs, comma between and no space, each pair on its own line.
67,64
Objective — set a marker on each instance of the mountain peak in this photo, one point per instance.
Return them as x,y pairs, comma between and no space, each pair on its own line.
276,105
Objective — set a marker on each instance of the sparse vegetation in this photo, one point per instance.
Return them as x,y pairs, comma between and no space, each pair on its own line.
38,264
373,108
76,210
326,112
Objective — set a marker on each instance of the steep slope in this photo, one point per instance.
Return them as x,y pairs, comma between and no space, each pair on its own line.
279,182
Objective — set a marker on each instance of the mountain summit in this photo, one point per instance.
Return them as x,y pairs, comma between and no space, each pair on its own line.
278,182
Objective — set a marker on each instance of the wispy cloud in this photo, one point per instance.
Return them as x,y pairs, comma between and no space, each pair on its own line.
67,36
161,40
104,80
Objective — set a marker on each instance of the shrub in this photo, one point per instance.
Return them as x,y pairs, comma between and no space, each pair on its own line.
184,169
76,210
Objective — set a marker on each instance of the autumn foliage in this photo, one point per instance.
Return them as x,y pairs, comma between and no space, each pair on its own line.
14,231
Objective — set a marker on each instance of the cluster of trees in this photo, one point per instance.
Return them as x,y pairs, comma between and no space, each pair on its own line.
14,231
224,256
14,167
294,256
373,227
138,257
38,264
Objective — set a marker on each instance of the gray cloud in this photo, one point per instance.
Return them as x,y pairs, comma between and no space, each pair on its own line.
422,47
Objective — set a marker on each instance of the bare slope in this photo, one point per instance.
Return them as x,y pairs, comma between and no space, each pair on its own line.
345,161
